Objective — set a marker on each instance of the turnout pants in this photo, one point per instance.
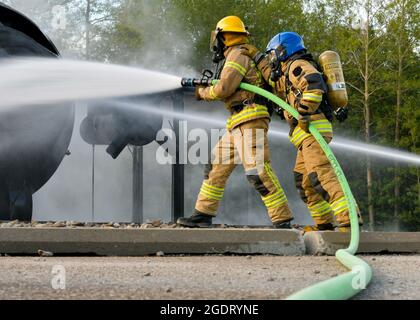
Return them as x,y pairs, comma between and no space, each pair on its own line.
246,144
318,185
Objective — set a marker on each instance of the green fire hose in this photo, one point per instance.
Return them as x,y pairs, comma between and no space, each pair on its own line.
348,284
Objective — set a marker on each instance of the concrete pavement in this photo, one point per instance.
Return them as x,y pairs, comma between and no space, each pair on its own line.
195,277
138,241
327,243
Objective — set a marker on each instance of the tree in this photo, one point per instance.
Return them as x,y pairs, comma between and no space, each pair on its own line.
367,59
401,33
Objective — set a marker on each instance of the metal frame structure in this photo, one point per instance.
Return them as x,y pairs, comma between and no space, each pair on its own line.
137,214
178,170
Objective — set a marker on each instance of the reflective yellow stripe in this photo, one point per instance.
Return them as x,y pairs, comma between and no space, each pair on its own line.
248,111
320,205
236,66
279,194
340,205
273,202
298,142
269,198
255,112
320,209
277,199
213,94
234,122
298,136
210,195
298,133
272,176
276,204
321,121
321,213
338,202
323,126
317,215
314,97
211,192
341,209
217,189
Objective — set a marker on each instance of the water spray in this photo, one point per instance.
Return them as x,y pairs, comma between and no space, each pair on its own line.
391,154
42,81
56,81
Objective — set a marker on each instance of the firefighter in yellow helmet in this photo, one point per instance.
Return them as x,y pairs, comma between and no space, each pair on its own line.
294,76
246,132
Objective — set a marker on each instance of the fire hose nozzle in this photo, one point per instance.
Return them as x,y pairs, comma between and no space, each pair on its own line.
204,81
191,83
188,82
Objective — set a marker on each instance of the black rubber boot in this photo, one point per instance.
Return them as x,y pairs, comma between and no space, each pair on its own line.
282,225
346,227
197,220
326,227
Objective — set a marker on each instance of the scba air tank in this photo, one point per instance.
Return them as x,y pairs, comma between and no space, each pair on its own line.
331,67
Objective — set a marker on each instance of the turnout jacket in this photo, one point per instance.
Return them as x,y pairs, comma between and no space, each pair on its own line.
238,68
301,86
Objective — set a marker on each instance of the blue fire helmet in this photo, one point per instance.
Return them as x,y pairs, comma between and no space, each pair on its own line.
285,44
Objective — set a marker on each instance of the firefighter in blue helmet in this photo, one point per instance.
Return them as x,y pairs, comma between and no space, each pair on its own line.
295,77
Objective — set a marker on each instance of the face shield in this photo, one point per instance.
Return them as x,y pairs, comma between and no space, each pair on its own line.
217,46
275,57
213,37
216,40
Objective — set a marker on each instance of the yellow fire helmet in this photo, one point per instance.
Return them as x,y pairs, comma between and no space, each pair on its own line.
233,28
231,24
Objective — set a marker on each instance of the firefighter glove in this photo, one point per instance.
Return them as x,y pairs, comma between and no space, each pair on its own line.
198,93
341,114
